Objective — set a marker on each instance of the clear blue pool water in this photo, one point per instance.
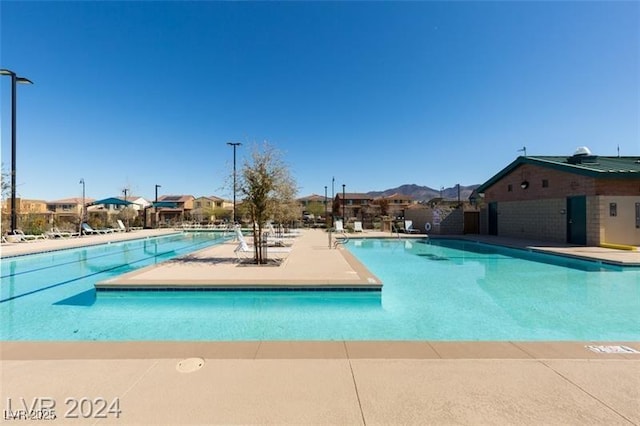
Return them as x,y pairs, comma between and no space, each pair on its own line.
443,290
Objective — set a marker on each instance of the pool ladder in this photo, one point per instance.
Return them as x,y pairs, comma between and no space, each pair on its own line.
343,239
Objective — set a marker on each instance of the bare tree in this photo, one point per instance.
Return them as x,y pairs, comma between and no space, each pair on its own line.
267,189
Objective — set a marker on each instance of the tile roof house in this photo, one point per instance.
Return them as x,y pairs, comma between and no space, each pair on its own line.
353,204
181,210
582,199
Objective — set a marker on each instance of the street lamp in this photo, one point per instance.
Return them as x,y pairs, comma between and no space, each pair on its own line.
14,80
234,145
82,212
325,204
333,198
155,208
344,201
126,215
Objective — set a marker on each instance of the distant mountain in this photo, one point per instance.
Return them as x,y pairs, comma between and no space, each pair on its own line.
424,193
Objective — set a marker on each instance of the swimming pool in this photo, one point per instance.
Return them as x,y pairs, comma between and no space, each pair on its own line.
442,290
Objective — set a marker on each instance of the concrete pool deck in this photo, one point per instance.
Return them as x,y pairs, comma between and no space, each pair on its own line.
311,263
328,382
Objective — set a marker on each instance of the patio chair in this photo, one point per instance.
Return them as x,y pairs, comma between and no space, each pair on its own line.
409,229
28,237
357,226
339,227
243,250
275,238
88,230
280,233
56,233
271,242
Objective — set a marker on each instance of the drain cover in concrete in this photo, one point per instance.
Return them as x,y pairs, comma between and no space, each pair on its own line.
613,349
190,365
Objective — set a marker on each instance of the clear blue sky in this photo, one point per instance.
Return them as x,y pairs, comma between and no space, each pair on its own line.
377,94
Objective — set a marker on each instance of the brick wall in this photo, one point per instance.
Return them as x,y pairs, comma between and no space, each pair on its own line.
560,185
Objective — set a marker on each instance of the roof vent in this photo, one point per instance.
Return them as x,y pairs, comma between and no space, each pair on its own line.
583,156
582,150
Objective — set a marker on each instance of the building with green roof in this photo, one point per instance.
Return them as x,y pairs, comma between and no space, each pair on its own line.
582,199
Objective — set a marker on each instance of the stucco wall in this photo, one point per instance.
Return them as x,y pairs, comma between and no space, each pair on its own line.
619,229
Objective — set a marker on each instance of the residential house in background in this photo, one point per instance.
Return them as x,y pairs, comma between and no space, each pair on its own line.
182,205
315,204
204,207
25,207
67,209
394,205
582,199
354,205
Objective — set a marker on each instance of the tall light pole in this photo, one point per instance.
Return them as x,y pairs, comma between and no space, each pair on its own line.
333,199
82,212
234,145
126,216
14,81
155,208
344,201
325,204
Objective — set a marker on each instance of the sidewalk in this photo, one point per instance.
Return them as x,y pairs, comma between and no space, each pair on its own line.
341,383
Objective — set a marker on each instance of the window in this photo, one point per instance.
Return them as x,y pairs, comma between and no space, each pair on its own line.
545,183
613,209
509,188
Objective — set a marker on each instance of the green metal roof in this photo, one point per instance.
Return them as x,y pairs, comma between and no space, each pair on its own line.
586,165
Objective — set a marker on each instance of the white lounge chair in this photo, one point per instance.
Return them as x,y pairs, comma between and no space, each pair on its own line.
280,233
88,230
271,242
272,252
275,238
56,233
244,248
357,226
338,226
409,229
28,237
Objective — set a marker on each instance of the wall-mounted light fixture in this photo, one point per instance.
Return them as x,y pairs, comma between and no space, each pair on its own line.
524,184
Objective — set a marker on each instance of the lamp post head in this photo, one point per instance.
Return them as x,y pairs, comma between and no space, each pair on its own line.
23,80
13,75
81,181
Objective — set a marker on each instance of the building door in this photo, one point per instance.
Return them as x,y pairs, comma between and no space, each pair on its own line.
471,223
493,218
577,220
